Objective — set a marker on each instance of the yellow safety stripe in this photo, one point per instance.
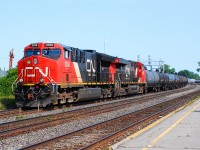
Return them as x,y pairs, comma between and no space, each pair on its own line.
86,83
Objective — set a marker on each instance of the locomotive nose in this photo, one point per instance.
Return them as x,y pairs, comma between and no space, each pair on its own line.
35,70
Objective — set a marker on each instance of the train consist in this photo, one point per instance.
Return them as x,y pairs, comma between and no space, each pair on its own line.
52,73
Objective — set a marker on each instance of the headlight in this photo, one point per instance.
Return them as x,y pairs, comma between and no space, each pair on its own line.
28,62
35,60
41,80
21,80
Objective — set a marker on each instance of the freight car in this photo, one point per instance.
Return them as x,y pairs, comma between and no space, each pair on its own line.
157,81
197,81
191,81
52,73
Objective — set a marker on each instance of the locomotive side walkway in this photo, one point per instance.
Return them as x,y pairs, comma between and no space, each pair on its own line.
178,131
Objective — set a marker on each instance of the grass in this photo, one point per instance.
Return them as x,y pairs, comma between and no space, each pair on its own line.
19,117
7,102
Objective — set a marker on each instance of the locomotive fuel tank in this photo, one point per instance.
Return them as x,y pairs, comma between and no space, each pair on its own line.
87,94
133,89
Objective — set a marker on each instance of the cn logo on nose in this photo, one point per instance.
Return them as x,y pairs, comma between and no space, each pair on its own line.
34,70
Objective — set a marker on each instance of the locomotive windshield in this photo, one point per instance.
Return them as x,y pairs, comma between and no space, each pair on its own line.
31,52
51,53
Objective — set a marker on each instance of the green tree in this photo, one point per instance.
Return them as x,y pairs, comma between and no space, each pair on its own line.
173,70
198,69
189,74
168,69
11,73
185,73
6,82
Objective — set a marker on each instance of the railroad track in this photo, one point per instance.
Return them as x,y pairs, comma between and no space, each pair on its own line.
16,112
5,113
28,125
19,112
106,133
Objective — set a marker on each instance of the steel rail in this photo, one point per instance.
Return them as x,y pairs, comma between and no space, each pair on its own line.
103,123
52,120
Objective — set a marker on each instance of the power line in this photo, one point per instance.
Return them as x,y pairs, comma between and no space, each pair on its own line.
9,58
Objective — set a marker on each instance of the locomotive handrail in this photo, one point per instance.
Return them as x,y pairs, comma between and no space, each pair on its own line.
50,79
15,82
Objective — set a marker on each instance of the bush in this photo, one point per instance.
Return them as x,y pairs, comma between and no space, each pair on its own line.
7,103
6,96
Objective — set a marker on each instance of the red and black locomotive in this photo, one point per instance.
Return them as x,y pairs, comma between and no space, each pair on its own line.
52,73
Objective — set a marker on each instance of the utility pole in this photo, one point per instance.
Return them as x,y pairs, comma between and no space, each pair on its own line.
149,62
11,58
154,64
138,58
104,45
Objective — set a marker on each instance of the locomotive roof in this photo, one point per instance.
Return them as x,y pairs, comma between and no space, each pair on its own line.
105,57
100,56
123,61
67,47
71,48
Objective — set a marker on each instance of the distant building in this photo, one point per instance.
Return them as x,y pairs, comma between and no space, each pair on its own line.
2,73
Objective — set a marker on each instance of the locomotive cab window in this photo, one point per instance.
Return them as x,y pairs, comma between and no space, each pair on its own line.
82,56
31,52
78,56
74,55
66,53
51,53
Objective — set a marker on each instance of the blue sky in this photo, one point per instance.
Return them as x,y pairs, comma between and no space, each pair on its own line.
165,29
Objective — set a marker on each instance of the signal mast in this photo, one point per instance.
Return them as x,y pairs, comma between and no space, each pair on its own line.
11,58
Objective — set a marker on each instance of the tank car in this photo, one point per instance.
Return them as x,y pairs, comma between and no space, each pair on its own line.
197,81
163,80
156,81
152,80
191,81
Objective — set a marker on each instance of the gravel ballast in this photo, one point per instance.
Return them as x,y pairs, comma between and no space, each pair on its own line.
22,140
